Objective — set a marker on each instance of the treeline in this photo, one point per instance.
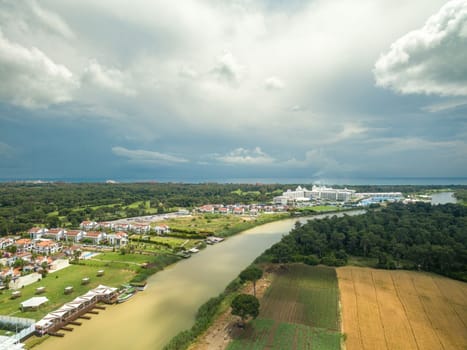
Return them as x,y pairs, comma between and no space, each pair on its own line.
64,204
461,195
415,236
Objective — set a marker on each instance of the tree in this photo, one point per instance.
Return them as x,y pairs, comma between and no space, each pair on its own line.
245,305
252,274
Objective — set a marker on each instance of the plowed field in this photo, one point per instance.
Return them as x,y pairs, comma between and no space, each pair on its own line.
402,310
298,311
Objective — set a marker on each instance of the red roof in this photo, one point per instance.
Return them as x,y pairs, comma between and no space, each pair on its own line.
73,232
93,234
55,231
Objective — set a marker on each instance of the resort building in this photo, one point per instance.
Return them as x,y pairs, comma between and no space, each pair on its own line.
332,194
37,232
89,225
96,236
74,235
55,233
118,239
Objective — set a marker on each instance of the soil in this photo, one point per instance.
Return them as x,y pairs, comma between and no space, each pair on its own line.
225,327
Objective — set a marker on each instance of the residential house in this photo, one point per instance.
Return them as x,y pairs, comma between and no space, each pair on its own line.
56,234
37,232
24,245
41,259
122,227
74,235
96,236
89,225
239,210
46,247
162,229
9,272
224,210
206,209
6,242
106,225
26,256
141,228
118,239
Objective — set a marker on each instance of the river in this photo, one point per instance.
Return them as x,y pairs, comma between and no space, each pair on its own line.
169,303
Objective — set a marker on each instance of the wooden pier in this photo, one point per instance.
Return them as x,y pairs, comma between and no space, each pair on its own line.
55,334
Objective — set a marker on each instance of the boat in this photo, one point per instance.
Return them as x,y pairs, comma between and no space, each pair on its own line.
140,286
124,297
127,292
184,254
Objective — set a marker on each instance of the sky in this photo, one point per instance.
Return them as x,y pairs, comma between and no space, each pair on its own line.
212,90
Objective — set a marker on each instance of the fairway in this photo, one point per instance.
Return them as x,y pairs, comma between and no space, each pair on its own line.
298,311
402,310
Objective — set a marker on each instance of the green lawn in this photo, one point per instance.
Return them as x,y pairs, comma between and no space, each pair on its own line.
125,258
55,284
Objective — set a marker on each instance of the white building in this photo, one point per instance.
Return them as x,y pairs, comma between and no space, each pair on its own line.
301,194
332,194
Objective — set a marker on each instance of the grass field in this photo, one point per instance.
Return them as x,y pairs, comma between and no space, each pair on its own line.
298,311
55,284
402,310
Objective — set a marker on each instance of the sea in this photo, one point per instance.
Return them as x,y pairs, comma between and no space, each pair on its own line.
426,181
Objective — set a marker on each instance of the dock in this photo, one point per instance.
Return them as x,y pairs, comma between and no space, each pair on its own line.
55,334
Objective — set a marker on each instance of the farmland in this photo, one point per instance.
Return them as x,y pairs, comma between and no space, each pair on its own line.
298,311
402,310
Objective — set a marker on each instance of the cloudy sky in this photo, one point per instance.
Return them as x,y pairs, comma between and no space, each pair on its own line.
212,90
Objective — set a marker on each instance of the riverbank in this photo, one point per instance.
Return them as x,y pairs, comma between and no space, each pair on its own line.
174,294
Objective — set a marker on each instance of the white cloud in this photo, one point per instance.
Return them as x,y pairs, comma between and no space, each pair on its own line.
273,83
242,156
228,68
188,72
445,106
30,78
429,60
140,156
106,78
50,19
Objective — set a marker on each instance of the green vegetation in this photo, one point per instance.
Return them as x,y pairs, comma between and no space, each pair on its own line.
432,238
25,205
298,311
245,306
55,284
461,196
251,273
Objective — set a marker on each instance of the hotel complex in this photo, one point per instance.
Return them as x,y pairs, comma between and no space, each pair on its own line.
301,194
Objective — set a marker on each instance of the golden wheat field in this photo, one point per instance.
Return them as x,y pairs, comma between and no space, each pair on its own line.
404,310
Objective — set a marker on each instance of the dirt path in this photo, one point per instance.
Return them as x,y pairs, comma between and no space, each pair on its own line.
218,336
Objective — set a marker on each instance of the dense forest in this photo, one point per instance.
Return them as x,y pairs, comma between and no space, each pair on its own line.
416,236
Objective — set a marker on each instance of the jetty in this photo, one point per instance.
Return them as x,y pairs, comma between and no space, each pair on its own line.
78,308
